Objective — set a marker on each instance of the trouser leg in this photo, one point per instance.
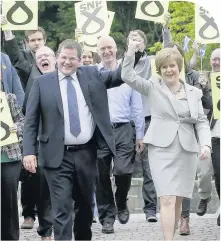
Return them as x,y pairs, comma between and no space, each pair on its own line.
104,194
216,162
185,207
43,205
10,173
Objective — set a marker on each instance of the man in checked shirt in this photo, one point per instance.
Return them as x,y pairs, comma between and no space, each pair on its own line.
11,156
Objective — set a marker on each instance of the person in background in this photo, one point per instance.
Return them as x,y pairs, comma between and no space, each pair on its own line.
35,196
215,132
10,79
11,156
34,40
124,104
87,57
177,111
24,62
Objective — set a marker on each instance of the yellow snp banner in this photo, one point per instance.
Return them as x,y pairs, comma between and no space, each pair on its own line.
152,10
95,20
154,70
6,123
21,15
206,29
215,85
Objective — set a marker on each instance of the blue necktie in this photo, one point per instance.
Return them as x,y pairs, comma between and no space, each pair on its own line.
74,119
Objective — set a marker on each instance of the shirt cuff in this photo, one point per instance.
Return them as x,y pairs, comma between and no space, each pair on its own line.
139,135
8,35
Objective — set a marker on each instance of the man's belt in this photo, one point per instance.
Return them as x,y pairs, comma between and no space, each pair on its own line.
148,118
118,124
78,147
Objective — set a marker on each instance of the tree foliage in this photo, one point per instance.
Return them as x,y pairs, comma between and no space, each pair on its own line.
58,20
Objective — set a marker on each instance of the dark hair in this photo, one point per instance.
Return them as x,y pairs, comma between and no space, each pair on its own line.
92,53
30,32
171,45
70,44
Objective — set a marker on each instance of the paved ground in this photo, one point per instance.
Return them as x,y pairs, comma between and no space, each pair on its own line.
202,229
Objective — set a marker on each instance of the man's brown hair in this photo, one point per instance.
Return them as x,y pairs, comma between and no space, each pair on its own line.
30,32
70,44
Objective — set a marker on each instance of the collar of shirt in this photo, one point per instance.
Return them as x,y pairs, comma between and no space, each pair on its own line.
33,55
62,76
145,56
101,66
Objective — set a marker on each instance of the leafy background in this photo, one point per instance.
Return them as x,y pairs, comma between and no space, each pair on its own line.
58,20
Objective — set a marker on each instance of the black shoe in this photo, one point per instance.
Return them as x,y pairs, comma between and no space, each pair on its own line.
218,220
108,228
123,215
151,216
202,207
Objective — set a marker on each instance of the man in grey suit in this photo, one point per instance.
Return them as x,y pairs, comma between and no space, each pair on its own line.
73,106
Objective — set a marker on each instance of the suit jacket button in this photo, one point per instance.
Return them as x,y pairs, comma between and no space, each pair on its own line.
62,138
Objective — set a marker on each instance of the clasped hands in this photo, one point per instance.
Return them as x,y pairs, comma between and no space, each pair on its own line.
134,43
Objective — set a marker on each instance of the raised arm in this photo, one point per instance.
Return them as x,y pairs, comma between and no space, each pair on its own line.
17,87
111,78
128,74
167,37
16,56
193,60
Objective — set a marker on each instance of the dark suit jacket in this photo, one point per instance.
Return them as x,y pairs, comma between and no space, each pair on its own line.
25,65
21,60
33,74
45,102
211,119
11,81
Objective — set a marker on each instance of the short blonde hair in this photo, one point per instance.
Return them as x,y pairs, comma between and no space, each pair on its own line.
167,54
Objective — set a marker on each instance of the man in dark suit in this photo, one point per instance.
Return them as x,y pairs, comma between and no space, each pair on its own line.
73,106
34,40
